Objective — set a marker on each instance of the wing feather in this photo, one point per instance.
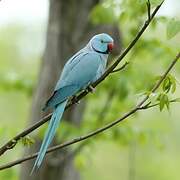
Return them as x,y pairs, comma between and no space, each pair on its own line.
77,75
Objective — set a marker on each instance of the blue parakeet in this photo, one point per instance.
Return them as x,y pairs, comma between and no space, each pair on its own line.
82,69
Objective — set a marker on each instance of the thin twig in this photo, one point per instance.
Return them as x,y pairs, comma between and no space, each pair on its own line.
148,9
121,68
100,130
161,80
14,140
148,106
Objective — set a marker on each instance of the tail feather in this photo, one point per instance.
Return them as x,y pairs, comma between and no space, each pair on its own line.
54,122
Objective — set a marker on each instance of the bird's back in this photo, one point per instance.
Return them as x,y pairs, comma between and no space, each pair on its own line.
81,70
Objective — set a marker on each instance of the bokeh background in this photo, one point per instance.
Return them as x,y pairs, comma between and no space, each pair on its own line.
145,146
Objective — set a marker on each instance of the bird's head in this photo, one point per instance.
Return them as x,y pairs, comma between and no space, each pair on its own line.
102,43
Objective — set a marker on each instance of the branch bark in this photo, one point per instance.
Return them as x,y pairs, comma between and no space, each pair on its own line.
12,143
140,106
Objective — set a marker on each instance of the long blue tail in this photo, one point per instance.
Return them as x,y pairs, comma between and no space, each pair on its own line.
54,122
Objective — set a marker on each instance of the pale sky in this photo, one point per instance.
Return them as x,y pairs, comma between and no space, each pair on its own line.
26,11
31,11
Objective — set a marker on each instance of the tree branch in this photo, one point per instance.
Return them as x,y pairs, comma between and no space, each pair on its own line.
149,105
102,114
11,143
102,129
121,68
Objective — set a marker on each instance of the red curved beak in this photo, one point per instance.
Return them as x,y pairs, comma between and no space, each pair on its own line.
110,46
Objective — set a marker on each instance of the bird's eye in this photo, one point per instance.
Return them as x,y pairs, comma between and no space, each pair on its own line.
102,41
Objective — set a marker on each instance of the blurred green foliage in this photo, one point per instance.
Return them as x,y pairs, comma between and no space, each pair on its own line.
146,145
19,64
173,28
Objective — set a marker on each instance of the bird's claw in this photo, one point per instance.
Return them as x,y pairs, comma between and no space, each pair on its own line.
90,89
74,99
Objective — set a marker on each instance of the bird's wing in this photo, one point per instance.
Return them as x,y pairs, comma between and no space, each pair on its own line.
68,66
83,71
59,96
75,78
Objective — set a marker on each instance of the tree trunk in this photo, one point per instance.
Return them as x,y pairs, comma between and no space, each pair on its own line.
68,30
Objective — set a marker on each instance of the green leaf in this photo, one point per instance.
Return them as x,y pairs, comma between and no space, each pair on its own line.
173,83
163,101
27,141
167,84
161,104
173,28
166,100
173,89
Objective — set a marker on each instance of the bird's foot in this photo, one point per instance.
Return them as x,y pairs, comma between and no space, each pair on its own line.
74,99
90,89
